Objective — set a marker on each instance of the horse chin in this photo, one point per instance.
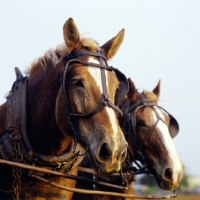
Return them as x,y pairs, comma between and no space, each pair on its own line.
167,185
168,175
107,168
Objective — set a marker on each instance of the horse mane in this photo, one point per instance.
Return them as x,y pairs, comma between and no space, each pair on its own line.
150,95
53,56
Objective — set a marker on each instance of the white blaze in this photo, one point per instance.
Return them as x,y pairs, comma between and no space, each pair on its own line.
168,142
96,74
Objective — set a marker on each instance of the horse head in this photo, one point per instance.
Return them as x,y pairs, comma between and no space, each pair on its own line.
150,135
80,113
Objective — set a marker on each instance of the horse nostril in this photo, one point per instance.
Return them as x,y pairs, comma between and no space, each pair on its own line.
167,175
105,152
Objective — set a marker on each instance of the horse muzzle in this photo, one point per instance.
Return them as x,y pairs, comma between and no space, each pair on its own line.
170,178
108,158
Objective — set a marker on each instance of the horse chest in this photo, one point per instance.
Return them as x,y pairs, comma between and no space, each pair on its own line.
42,191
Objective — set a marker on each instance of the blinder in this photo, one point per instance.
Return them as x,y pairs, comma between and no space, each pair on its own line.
123,87
173,126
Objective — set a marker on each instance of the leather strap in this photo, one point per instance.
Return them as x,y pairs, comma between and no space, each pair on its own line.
102,101
84,53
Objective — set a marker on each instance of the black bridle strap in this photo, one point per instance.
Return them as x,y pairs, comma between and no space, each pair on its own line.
90,114
103,102
103,78
142,102
84,53
158,116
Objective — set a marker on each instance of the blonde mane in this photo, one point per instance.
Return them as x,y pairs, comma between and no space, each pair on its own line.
54,56
150,95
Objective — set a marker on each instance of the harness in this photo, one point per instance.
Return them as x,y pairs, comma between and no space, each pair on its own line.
6,142
122,178
14,143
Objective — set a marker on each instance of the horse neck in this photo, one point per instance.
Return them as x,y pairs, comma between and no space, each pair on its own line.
41,121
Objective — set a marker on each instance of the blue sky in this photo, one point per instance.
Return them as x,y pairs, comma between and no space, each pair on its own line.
162,41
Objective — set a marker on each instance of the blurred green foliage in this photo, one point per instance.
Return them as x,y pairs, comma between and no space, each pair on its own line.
152,185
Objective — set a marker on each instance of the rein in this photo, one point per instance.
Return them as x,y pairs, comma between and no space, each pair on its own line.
82,191
45,159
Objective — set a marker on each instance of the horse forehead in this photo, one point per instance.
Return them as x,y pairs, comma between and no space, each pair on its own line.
162,114
96,74
150,116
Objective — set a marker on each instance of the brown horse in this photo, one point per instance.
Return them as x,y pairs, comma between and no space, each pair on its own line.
70,109
149,130
152,130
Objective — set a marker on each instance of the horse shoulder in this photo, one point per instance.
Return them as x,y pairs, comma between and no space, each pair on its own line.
43,191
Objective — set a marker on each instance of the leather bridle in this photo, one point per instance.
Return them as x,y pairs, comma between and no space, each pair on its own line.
104,100
130,124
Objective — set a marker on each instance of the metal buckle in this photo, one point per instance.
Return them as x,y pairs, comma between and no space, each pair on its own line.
105,101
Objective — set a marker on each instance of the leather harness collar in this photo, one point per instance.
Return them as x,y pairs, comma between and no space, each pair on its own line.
16,108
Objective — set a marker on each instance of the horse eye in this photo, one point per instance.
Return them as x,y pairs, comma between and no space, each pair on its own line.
140,123
77,83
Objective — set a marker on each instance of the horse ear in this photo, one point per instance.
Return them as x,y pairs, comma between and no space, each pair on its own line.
111,47
71,35
156,90
132,93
